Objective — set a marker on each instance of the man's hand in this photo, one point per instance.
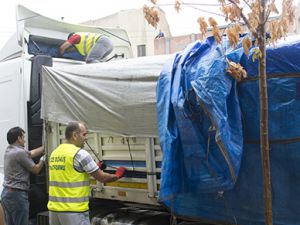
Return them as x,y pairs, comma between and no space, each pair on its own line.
120,172
63,48
43,158
37,152
101,165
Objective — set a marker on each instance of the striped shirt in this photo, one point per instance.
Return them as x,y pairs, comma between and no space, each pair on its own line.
83,162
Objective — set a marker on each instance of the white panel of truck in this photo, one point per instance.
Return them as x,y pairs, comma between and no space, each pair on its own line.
12,106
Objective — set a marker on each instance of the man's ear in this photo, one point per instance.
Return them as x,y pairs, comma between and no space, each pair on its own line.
74,136
19,139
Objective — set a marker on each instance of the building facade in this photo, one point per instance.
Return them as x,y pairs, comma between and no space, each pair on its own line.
141,34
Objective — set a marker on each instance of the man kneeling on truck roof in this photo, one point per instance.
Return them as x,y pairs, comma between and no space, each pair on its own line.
94,47
70,168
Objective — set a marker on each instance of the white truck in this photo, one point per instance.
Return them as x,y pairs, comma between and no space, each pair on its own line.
116,100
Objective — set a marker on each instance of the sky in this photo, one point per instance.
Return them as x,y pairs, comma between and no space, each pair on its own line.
181,23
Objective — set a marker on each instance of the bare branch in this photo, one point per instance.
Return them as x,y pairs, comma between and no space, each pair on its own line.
206,11
269,11
247,3
267,17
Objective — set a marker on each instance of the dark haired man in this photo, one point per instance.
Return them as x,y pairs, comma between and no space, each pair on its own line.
94,47
18,164
70,168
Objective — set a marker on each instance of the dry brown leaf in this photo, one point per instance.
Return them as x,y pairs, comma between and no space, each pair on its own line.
284,24
231,12
203,25
235,13
280,31
225,10
236,71
253,16
212,22
275,31
151,15
233,36
289,11
154,1
177,5
238,28
253,22
247,44
215,29
279,27
216,34
272,7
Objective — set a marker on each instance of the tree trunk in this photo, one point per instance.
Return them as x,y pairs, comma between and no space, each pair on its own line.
264,136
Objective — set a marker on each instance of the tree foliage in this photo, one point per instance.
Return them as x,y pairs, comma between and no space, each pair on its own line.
239,14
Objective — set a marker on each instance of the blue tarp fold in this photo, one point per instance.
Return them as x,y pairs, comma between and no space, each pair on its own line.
200,120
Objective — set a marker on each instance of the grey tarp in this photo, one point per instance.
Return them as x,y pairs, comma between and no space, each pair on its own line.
116,97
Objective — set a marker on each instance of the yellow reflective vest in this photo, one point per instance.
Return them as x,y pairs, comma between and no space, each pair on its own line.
68,188
87,41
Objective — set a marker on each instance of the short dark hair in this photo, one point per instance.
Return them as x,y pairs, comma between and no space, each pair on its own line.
70,35
13,134
71,127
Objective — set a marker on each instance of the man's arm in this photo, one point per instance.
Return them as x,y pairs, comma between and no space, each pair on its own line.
37,152
64,47
24,158
36,169
83,161
104,177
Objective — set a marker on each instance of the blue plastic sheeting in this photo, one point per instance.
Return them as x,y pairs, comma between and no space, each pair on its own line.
35,48
209,133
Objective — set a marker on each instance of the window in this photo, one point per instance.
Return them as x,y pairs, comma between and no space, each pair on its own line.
141,50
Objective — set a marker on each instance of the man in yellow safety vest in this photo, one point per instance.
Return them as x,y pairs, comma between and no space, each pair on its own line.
70,167
93,47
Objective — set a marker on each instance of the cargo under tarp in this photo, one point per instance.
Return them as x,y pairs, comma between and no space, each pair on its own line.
116,97
209,134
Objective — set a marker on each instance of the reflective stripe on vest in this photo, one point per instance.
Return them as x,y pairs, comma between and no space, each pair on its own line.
69,185
87,41
68,188
61,199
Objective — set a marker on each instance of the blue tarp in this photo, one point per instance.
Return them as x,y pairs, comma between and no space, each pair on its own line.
42,48
209,134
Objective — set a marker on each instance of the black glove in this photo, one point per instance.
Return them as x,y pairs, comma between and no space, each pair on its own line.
101,165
